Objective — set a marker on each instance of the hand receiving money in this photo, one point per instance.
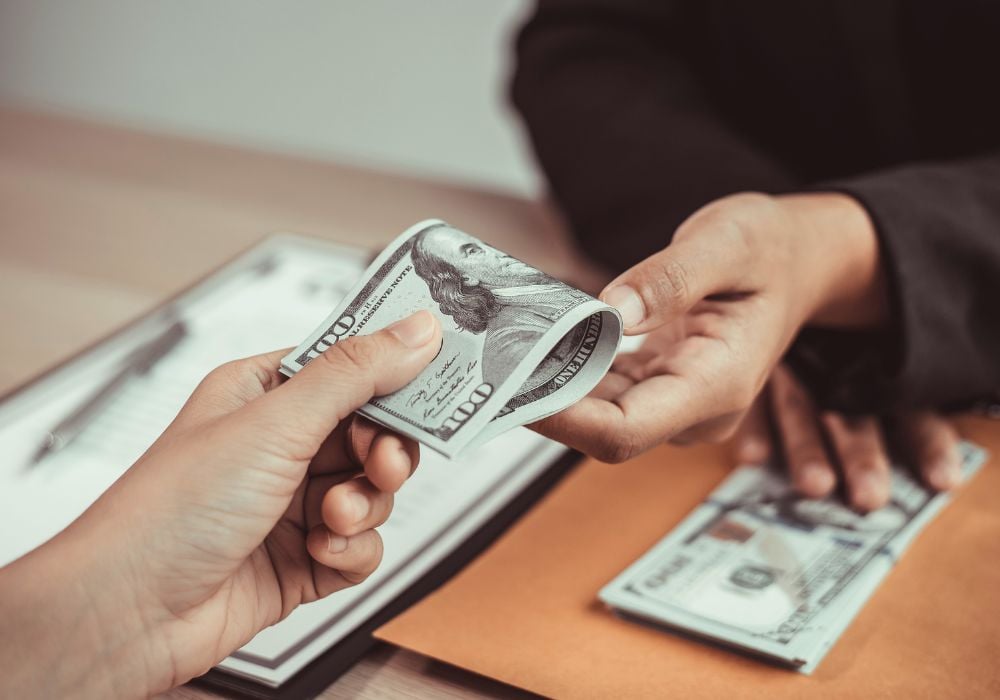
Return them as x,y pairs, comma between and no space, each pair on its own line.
720,305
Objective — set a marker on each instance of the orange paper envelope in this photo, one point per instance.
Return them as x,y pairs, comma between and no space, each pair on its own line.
526,611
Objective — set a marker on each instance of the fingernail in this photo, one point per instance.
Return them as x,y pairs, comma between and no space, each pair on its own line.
358,505
628,302
870,493
335,543
415,330
752,451
944,475
815,479
406,458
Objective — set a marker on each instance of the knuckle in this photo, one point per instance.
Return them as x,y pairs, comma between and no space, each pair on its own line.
739,211
723,433
742,399
382,508
354,577
862,427
333,513
740,237
237,378
801,455
941,434
354,355
370,562
621,447
937,451
802,450
745,208
789,394
714,430
794,405
864,461
226,373
249,375
672,283
834,423
936,440
879,463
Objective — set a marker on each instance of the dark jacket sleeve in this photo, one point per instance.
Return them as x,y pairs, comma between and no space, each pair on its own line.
939,230
631,145
628,140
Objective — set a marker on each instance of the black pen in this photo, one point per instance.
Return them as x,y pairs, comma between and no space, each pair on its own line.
139,362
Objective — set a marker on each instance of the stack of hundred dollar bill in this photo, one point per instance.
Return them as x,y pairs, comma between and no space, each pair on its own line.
761,569
518,345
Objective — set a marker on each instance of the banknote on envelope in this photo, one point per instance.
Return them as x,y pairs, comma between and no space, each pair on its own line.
758,567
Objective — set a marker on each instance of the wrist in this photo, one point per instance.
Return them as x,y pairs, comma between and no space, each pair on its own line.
74,627
840,243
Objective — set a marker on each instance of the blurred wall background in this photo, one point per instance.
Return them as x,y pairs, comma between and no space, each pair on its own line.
413,87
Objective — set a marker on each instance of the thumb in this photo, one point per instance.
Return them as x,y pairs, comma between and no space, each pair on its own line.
667,284
348,374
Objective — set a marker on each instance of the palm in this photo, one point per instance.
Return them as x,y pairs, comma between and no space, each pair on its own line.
686,359
711,356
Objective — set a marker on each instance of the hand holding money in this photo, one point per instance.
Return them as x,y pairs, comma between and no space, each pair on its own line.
517,344
221,529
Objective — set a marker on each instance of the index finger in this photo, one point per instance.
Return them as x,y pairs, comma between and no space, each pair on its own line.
712,258
357,444
391,460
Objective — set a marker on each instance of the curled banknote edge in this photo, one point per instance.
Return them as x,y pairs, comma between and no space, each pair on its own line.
518,345
766,571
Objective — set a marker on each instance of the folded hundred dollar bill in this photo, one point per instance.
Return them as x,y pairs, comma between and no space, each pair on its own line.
518,345
759,568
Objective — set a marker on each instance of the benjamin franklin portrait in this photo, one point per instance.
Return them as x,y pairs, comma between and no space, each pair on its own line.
487,291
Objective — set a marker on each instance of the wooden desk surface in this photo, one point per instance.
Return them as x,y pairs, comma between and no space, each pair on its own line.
99,224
